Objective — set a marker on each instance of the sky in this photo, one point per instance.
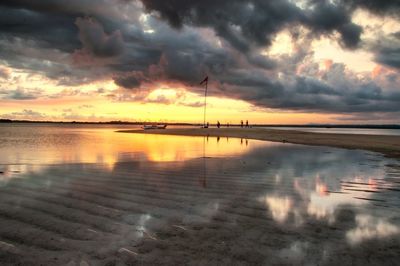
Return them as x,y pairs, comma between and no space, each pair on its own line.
268,61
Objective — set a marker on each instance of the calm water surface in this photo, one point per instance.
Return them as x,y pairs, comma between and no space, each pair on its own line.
84,194
365,131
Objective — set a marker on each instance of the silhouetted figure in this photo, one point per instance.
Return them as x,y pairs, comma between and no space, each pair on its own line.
247,142
227,124
208,124
247,123
218,124
217,139
241,123
241,141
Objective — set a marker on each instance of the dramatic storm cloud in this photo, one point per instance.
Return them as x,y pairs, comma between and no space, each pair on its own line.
136,44
243,23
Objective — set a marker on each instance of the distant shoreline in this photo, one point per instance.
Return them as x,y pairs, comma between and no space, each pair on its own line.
386,144
118,122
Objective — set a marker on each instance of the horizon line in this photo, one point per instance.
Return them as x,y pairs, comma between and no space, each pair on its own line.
121,122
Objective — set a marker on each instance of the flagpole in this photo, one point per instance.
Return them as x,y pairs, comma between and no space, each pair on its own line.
205,105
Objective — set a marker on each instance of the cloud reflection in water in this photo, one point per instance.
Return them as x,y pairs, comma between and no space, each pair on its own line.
369,227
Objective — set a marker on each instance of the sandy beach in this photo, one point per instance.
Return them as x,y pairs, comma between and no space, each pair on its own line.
389,145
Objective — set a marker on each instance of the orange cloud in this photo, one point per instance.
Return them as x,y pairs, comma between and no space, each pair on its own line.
328,64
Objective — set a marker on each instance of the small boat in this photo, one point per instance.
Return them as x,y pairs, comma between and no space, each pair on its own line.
162,126
154,126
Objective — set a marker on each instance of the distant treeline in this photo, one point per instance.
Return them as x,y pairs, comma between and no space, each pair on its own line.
385,126
118,122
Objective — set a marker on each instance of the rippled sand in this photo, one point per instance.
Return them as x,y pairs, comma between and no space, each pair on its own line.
282,204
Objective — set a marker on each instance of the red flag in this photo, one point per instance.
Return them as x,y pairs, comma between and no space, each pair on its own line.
204,80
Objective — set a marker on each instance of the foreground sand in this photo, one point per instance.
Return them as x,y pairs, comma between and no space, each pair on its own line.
389,145
206,211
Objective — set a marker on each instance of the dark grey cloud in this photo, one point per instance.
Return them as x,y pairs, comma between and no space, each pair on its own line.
389,56
239,22
20,94
245,23
129,81
95,41
50,30
382,7
387,50
262,61
382,117
327,18
45,36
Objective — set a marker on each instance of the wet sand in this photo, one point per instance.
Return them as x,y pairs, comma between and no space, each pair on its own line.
148,213
273,204
389,145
